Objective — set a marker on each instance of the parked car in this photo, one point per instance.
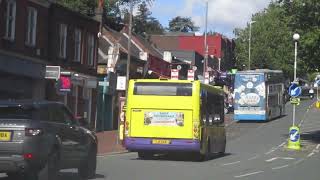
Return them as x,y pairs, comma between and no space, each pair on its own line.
40,138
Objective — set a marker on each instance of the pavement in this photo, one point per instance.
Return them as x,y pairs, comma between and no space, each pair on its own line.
254,151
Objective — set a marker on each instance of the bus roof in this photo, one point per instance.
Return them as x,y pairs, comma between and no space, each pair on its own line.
260,71
162,80
208,87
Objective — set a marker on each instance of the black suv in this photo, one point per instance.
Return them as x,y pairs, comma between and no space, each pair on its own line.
37,139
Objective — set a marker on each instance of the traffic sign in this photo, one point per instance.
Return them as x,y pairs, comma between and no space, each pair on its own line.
294,138
174,74
52,72
295,90
190,74
295,101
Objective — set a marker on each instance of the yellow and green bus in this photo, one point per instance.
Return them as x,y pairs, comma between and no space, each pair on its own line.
172,116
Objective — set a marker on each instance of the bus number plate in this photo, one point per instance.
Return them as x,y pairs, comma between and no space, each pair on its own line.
160,141
5,136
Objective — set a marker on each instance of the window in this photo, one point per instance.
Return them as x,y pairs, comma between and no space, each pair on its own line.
77,45
11,19
32,26
62,40
90,49
163,89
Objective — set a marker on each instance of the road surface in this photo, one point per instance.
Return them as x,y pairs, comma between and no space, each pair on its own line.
255,151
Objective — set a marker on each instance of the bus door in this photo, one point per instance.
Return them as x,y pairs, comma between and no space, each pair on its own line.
213,131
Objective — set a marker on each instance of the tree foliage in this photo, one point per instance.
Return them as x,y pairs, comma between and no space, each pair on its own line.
86,7
182,24
272,44
144,23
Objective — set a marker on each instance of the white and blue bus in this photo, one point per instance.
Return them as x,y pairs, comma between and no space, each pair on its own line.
259,95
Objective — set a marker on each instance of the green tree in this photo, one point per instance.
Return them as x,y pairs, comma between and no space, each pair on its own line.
86,7
271,41
182,24
305,20
144,23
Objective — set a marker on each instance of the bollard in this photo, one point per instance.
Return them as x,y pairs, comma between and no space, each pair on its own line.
294,138
318,104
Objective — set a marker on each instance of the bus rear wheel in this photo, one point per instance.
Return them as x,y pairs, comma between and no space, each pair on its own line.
145,155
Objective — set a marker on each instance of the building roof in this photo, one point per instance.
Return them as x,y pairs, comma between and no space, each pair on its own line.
164,42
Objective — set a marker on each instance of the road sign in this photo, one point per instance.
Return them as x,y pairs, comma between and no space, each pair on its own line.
174,74
121,82
294,138
190,75
295,90
295,101
52,72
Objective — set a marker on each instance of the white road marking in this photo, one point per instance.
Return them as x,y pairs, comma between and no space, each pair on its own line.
318,146
248,174
275,148
275,158
311,154
280,167
271,151
254,157
227,164
297,162
272,159
287,158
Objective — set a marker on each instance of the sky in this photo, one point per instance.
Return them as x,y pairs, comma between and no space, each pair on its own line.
223,15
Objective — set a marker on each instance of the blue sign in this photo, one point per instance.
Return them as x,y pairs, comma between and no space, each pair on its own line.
294,135
318,82
295,90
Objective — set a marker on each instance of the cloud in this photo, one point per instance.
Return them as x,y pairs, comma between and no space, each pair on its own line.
223,15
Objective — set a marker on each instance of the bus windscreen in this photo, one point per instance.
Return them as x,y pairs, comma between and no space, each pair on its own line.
163,89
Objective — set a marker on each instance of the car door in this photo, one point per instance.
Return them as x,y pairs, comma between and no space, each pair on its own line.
69,134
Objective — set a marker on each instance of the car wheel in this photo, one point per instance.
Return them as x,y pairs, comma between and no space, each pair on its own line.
88,169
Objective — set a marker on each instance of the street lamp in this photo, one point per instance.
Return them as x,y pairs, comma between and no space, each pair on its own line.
296,38
250,25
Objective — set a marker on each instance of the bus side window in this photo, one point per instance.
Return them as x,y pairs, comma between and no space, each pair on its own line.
203,107
215,109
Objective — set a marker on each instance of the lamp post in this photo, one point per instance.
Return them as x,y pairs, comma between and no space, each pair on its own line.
205,63
250,25
296,37
129,46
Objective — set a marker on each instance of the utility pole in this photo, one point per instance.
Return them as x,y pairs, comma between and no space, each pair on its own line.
205,63
129,47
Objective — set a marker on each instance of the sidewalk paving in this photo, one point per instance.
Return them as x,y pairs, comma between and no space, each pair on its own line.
108,143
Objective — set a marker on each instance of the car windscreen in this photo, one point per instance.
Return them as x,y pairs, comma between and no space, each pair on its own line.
163,89
16,112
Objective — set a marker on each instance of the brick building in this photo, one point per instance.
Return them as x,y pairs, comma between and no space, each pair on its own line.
36,33
73,46
23,48
220,48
